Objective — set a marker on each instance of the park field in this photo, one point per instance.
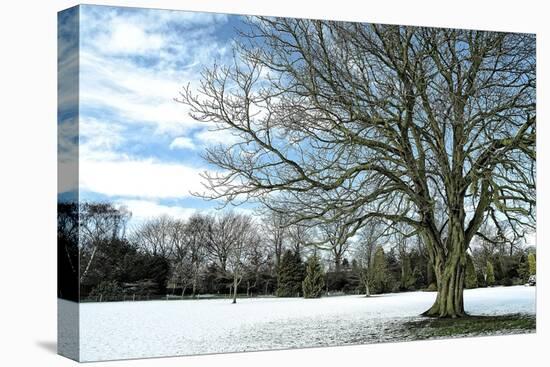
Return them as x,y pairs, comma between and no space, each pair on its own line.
120,330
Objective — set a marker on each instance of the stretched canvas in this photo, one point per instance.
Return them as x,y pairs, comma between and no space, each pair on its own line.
231,183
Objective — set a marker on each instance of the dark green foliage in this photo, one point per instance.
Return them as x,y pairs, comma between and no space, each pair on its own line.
381,280
67,251
313,283
119,261
354,278
290,275
156,269
122,264
489,274
532,262
337,280
419,264
105,291
394,272
523,269
471,275
510,263
408,277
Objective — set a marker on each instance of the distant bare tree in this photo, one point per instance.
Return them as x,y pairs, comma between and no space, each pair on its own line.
276,232
156,236
336,235
364,248
99,223
301,235
228,241
258,256
196,238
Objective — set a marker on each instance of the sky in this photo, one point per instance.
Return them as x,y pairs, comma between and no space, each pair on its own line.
132,143
137,146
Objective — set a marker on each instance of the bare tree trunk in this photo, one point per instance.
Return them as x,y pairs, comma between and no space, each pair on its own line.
429,272
194,294
450,285
337,263
235,285
450,274
85,272
184,288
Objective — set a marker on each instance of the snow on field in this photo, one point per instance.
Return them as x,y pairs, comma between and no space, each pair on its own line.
165,328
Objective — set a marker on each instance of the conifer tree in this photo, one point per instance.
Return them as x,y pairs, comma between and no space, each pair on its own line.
290,275
313,283
380,272
532,261
490,274
471,276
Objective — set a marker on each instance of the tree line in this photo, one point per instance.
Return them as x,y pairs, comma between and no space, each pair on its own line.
228,254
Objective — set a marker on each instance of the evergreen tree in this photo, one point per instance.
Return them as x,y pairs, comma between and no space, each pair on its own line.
380,272
290,275
408,277
532,261
314,281
471,275
490,274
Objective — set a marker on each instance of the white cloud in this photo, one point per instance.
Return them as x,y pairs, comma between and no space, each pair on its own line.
67,155
182,142
135,94
99,135
213,137
134,62
139,178
145,209
128,38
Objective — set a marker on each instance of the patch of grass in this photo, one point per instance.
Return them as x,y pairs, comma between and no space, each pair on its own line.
471,326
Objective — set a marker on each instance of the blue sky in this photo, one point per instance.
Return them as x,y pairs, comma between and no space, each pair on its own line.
137,146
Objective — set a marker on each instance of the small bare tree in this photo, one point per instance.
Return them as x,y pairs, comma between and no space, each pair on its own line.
228,239
196,238
364,249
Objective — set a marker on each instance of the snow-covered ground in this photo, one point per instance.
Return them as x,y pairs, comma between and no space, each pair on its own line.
165,328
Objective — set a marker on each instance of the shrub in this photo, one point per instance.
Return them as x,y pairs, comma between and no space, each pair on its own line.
107,291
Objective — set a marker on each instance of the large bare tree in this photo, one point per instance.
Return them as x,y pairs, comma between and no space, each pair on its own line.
432,128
